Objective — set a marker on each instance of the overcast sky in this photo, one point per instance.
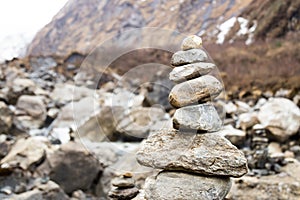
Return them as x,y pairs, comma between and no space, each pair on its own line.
27,15
20,20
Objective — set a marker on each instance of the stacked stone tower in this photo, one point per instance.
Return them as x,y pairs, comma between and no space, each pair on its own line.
196,161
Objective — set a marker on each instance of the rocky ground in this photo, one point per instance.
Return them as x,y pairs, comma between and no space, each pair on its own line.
61,141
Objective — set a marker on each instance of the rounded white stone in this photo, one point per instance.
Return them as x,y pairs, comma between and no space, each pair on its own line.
191,42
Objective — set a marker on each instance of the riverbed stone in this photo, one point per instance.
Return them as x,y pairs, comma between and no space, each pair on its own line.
281,117
189,56
201,89
183,186
190,71
198,117
207,154
191,42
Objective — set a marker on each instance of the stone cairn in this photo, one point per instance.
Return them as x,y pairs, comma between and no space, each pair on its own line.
196,161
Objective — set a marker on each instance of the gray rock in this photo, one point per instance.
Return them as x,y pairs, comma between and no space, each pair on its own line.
190,71
73,168
123,98
18,87
29,195
64,93
189,56
208,154
247,120
32,106
51,190
105,152
242,107
100,126
26,153
285,185
235,136
122,182
199,117
191,42
5,145
140,196
126,164
158,89
184,186
281,117
201,89
31,112
123,194
5,118
75,114
139,122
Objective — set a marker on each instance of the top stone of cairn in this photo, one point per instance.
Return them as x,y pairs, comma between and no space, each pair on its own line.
191,42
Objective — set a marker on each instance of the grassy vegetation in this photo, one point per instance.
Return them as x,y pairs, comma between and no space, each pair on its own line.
265,65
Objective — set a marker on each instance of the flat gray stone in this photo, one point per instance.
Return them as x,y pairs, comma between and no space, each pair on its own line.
207,154
122,182
191,42
123,194
199,117
190,71
184,186
189,56
201,89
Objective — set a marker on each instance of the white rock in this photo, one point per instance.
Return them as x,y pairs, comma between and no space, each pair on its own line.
27,152
191,42
62,134
281,117
247,120
260,103
235,136
242,107
274,150
230,108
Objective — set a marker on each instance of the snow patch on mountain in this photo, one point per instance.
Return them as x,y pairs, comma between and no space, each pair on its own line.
225,27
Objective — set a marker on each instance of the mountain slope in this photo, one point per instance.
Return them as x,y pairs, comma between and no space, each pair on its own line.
83,24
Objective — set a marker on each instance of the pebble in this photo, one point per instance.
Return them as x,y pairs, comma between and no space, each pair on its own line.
123,194
123,182
191,42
